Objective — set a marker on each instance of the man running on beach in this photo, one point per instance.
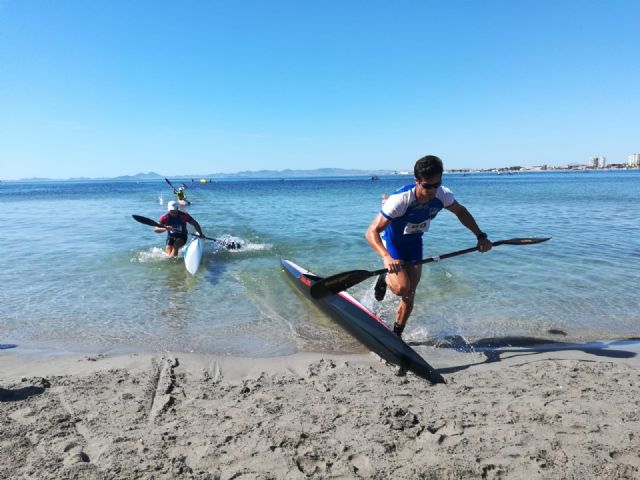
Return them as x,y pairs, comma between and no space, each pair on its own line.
402,221
176,228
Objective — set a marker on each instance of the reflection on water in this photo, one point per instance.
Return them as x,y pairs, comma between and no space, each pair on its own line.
178,282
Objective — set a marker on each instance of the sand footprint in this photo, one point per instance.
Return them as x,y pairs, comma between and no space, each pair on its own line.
361,465
213,374
74,455
163,383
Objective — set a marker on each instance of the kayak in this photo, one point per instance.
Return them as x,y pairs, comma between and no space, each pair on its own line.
193,255
363,324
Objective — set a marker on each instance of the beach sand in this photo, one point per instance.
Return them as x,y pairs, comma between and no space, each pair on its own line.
569,412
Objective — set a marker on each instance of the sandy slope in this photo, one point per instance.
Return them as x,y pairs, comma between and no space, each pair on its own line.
517,414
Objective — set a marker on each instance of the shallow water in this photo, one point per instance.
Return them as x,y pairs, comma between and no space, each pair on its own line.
79,273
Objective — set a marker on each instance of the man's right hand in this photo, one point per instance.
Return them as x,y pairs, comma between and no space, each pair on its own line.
392,265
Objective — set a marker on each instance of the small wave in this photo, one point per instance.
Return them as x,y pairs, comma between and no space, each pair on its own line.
154,254
256,246
161,200
418,335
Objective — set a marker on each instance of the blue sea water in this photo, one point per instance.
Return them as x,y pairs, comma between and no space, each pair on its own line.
79,274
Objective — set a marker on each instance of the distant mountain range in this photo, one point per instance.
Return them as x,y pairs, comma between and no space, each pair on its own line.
140,176
287,173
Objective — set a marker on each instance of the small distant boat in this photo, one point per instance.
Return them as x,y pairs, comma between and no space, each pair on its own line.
203,180
375,177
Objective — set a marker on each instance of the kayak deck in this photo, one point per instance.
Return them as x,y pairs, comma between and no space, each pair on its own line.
193,255
362,324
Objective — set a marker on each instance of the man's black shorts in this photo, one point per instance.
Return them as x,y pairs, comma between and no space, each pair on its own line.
172,238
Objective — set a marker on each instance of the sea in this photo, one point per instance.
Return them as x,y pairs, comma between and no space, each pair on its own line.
78,274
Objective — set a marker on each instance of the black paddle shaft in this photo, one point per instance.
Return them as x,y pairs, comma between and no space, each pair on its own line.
342,281
171,185
153,223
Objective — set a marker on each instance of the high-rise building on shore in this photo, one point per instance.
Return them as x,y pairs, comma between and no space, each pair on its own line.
634,160
597,162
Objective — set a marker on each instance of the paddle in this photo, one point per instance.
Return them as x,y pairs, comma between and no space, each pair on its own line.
171,185
342,281
174,189
153,223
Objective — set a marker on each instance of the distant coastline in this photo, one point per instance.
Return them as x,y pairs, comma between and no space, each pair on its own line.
319,172
275,174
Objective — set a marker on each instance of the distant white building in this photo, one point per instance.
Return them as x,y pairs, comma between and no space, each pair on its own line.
597,162
634,160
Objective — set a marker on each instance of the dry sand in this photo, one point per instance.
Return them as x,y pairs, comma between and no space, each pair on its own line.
515,413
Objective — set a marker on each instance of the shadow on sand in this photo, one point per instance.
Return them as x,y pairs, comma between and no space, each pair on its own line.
494,348
20,394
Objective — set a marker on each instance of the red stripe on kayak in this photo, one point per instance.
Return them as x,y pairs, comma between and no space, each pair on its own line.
353,301
346,296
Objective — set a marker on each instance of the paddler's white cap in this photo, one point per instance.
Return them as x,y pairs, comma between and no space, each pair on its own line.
173,205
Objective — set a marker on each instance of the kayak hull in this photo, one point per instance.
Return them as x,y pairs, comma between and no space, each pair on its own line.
363,325
193,255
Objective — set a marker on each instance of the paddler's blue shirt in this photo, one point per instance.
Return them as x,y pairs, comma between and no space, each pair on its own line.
410,219
177,222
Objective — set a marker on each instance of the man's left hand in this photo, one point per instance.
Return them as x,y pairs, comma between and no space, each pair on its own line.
484,245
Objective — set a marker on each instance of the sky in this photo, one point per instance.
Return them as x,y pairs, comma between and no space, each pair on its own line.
101,88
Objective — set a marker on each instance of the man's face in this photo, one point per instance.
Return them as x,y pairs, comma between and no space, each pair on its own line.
427,187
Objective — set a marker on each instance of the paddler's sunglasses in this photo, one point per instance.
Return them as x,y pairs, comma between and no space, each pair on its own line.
430,186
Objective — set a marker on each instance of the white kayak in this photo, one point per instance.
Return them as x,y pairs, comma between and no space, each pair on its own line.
193,255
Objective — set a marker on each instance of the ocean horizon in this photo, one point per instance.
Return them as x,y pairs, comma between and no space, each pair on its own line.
299,174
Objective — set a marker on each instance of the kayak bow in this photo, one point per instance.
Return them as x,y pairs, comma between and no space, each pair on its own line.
193,254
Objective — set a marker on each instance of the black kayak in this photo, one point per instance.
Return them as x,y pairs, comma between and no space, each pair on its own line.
366,327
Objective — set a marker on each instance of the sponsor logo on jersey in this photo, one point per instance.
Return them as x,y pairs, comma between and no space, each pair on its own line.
415,228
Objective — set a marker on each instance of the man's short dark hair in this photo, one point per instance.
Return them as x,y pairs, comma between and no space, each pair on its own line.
428,166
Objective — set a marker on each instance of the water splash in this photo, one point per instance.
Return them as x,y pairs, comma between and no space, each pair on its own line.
151,255
244,245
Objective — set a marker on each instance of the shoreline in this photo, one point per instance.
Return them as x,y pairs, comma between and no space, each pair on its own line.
430,347
516,412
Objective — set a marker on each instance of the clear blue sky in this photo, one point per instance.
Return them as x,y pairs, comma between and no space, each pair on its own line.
113,87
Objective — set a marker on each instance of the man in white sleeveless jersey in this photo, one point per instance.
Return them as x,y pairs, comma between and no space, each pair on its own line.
396,232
